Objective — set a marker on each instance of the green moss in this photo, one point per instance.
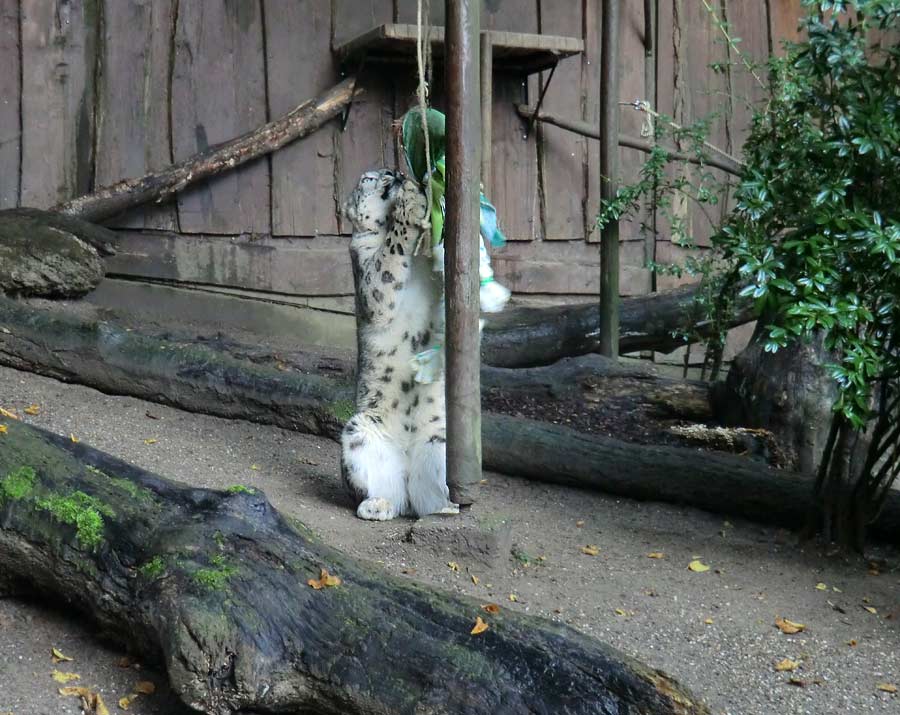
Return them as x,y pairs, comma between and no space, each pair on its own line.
153,568
133,490
240,489
215,579
342,409
81,510
17,484
219,538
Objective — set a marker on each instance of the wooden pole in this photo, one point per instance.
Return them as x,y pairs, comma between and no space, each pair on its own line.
487,105
609,170
461,250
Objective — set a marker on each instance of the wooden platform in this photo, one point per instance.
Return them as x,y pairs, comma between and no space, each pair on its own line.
513,51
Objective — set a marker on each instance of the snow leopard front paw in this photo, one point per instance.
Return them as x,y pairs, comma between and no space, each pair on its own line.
411,208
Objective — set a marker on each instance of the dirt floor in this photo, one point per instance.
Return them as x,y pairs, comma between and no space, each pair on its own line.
714,630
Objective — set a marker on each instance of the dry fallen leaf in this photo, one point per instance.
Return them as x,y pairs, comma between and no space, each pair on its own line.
91,702
124,662
579,523
125,703
145,687
852,643
3,429
57,656
325,580
32,410
871,610
709,621
491,608
151,440
479,627
787,665
789,627
513,597
8,413
821,587
590,550
474,579
698,566
254,467
799,683
453,566
887,687
61,677
621,612
656,555
74,439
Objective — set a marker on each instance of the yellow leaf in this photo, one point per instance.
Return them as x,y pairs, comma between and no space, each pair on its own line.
852,643
513,597
91,702
8,413
887,687
479,627
787,665
620,612
74,439
656,555
836,589
76,690
99,705
32,410
708,621
4,429
491,608
698,566
590,550
821,587
151,440
61,677
57,656
579,523
789,627
475,579
871,610
145,687
325,580
125,703
254,467
453,566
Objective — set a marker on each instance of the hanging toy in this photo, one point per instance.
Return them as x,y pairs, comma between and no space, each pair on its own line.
493,296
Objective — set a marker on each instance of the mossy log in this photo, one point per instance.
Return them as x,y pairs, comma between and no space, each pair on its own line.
48,255
526,337
228,380
214,585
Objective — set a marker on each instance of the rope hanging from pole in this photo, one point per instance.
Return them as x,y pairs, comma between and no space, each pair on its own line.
423,60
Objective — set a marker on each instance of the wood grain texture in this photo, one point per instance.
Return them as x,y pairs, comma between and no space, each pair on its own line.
218,92
10,131
784,18
293,266
366,141
590,99
561,153
58,64
133,101
514,191
299,65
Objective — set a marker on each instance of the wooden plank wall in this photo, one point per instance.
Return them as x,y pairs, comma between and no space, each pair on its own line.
97,90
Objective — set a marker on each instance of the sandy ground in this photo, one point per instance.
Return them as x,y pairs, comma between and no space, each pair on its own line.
714,631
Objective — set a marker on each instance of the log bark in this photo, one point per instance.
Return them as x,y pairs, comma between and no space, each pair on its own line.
224,380
215,586
48,255
525,337
110,201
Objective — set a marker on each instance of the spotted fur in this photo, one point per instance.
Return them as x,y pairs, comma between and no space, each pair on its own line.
394,447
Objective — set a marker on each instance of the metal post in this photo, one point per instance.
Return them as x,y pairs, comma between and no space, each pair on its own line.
609,172
487,107
461,232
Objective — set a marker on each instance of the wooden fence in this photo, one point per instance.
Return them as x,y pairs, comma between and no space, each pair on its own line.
92,91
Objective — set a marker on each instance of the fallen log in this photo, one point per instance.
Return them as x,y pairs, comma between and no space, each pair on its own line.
203,377
48,255
110,201
214,585
525,337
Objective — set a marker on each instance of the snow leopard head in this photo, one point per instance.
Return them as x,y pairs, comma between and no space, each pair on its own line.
369,206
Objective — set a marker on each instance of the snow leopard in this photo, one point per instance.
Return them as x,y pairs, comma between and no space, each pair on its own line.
393,449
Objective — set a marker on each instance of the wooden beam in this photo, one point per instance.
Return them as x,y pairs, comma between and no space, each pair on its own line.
609,170
461,251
